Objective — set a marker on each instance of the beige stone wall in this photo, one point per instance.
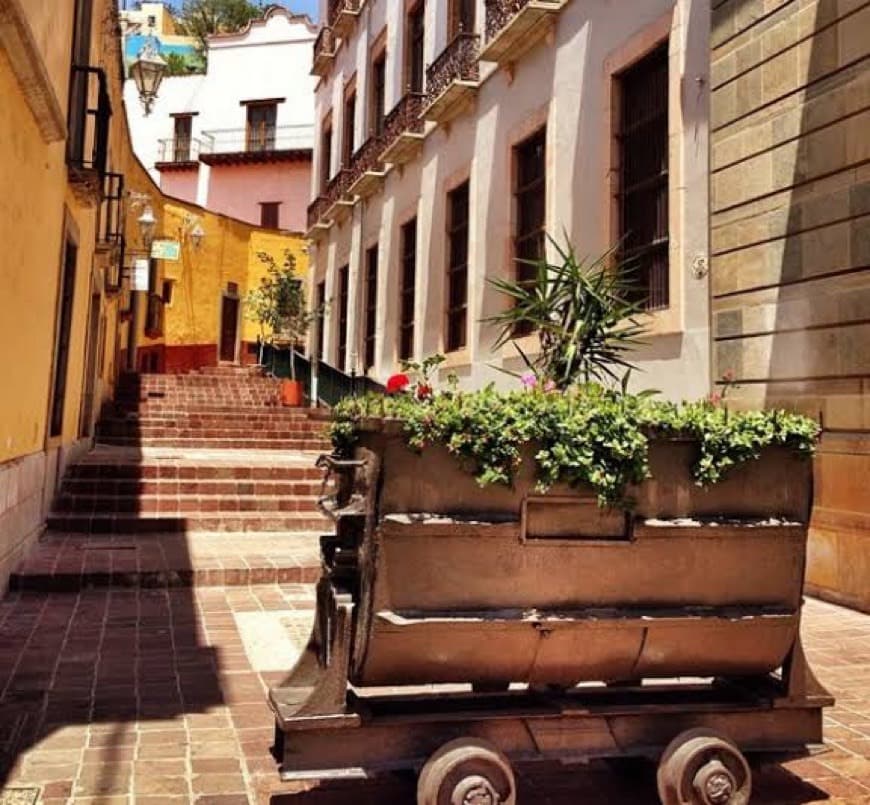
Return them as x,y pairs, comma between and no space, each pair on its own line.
790,245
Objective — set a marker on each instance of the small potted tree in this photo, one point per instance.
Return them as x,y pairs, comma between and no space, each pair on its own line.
278,305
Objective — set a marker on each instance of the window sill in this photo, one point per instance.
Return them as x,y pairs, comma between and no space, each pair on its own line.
458,357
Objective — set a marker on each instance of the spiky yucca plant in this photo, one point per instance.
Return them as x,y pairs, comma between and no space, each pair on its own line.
585,313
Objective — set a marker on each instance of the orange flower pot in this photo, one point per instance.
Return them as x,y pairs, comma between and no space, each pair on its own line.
292,393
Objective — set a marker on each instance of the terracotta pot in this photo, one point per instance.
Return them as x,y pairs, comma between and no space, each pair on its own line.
292,393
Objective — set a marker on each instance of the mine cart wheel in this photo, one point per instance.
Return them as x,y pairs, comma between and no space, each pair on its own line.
702,767
467,771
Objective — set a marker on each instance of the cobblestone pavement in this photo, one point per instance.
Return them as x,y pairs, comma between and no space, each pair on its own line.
156,696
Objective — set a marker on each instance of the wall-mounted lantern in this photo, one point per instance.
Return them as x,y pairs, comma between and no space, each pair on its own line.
148,71
196,236
147,225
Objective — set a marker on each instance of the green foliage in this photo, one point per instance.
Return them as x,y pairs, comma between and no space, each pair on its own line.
200,18
278,303
177,64
593,436
583,313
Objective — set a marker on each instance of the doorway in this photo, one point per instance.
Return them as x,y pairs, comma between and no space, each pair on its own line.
229,328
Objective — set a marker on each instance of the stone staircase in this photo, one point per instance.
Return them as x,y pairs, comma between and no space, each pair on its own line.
194,479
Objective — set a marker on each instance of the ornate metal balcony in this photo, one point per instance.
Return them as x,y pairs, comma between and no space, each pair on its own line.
403,129
90,111
452,79
324,51
514,26
317,220
342,16
178,153
338,202
367,170
111,244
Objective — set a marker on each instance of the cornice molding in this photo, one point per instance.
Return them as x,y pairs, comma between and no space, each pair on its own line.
29,68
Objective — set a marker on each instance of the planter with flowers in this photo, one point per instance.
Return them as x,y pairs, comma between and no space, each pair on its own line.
568,531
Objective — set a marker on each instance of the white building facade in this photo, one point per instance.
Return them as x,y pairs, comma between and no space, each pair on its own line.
238,139
452,137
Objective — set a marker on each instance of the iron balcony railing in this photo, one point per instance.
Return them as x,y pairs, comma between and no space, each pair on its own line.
336,7
316,209
90,111
179,150
404,117
254,139
500,12
338,185
110,230
324,48
367,157
457,62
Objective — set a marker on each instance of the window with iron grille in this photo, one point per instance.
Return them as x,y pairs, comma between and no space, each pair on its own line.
462,15
415,67
371,311
320,298
347,142
379,93
261,126
530,195
325,155
643,161
183,133
407,289
64,326
342,315
270,214
457,267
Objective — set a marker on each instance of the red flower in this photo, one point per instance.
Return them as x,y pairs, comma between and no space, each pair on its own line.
397,383
424,391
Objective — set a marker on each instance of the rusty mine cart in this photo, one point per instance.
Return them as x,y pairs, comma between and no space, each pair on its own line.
546,628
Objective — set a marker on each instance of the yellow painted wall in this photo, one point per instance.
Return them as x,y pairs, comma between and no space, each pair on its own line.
32,175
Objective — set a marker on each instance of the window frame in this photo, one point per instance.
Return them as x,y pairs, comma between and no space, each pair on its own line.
266,208
378,91
343,313
348,123
654,291
407,289
415,47
325,153
370,311
264,130
457,233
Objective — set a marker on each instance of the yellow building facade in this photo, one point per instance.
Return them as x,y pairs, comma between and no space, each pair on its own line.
72,191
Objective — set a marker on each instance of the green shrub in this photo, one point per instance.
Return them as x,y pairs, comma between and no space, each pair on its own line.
591,436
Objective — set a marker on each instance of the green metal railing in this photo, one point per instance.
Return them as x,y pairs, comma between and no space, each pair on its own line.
333,385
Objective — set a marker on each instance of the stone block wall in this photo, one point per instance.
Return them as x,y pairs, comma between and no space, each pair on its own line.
790,245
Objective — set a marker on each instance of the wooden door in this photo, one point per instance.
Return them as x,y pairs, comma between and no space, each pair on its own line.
229,328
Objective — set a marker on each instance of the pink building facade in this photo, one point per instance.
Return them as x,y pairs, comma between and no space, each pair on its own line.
238,139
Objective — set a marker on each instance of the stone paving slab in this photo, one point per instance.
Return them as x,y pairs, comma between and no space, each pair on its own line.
70,562
157,696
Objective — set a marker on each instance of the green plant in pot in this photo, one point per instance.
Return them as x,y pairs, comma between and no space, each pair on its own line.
278,305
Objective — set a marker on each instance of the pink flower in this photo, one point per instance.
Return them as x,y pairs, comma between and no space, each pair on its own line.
715,398
728,377
549,386
529,380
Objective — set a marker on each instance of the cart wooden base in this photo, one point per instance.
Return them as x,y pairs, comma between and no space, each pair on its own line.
698,732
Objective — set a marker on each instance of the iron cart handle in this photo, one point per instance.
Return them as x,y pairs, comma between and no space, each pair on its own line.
332,504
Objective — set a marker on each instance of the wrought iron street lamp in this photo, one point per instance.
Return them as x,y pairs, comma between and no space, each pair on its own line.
147,224
148,71
196,236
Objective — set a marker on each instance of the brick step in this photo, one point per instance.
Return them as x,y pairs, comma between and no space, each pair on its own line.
275,417
160,408
198,379
71,562
177,504
241,431
162,488
164,471
150,427
193,522
313,444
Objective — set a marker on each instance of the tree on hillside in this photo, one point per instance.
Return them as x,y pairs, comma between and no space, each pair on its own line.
200,18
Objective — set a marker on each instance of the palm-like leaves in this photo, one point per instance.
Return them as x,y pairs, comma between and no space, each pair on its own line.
582,312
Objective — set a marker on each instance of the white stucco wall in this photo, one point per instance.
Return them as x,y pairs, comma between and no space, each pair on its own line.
567,84
271,59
